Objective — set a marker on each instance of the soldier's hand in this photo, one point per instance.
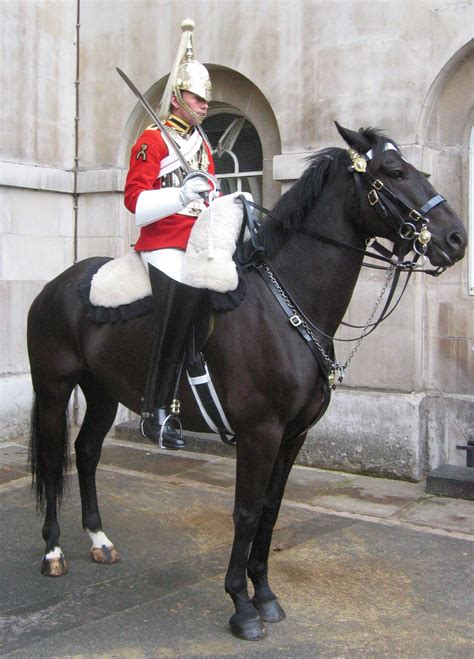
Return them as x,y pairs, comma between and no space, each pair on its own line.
195,188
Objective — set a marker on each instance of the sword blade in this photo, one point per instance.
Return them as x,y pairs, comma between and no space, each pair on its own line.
156,119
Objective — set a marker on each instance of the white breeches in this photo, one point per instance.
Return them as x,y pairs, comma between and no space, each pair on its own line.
170,261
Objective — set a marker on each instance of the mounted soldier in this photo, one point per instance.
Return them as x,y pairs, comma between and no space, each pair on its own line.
273,356
166,200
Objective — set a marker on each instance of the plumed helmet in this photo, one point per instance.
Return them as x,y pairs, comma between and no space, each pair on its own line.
194,77
187,73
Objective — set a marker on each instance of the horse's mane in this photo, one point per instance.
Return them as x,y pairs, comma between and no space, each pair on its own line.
289,213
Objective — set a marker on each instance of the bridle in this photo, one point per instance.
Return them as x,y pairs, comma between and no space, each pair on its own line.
411,226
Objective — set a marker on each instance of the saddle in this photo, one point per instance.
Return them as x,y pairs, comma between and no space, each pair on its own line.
118,290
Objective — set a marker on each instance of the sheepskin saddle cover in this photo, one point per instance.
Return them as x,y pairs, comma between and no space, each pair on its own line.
119,289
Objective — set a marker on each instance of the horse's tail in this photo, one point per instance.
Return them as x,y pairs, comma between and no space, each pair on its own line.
41,457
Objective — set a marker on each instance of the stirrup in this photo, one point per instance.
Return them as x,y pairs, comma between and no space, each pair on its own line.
179,428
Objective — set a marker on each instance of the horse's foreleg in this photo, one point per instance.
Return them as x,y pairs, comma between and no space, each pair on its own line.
264,600
255,462
100,414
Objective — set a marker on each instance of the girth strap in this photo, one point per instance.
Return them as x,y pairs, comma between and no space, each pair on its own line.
208,401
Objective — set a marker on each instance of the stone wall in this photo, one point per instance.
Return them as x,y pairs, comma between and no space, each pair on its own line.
292,68
36,150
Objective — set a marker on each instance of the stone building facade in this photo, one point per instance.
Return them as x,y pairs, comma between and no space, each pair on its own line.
290,68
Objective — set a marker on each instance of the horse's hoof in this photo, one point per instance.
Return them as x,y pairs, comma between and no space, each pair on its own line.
54,567
105,554
247,629
270,611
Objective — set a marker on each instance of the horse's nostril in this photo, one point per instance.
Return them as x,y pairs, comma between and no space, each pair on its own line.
456,240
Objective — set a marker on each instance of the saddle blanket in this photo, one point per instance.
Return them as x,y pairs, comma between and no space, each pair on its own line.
208,259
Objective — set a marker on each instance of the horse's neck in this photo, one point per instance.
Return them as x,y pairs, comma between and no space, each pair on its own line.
321,277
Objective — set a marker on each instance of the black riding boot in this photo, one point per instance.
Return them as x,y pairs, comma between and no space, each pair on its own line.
175,307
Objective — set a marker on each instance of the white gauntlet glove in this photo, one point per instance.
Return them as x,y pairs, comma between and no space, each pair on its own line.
153,205
193,188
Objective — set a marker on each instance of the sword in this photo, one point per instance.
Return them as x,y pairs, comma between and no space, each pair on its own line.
157,120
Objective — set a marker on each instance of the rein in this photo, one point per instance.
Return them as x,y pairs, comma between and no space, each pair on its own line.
391,209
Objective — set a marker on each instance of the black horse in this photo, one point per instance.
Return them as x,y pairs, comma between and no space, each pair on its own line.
270,384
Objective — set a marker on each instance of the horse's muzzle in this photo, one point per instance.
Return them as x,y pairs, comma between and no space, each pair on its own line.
448,251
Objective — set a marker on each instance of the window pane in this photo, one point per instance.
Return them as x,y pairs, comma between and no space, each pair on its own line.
225,164
215,126
246,155
247,147
228,185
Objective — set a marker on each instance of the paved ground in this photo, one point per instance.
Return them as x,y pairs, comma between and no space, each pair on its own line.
364,567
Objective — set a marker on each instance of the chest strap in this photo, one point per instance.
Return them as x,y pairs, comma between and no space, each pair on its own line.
297,323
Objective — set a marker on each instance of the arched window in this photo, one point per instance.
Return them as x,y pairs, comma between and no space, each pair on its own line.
237,152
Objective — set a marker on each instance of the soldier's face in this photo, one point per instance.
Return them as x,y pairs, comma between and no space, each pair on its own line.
197,104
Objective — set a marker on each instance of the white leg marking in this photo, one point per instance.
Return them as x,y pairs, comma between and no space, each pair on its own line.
54,553
99,539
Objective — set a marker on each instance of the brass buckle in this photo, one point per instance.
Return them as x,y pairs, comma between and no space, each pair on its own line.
377,184
415,216
372,197
295,320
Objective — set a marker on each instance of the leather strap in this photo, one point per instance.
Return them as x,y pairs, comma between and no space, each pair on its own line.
250,222
208,400
297,322
434,201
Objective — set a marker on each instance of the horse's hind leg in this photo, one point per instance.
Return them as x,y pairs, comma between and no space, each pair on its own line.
100,414
49,458
264,600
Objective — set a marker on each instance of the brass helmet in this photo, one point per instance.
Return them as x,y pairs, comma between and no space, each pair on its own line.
187,74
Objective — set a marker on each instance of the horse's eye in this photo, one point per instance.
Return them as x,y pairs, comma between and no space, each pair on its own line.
396,173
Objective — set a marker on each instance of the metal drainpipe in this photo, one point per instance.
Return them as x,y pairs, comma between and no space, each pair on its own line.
75,194
76,134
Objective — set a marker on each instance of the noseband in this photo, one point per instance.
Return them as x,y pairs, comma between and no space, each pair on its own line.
410,224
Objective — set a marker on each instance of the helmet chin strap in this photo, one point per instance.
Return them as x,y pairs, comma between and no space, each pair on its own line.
186,107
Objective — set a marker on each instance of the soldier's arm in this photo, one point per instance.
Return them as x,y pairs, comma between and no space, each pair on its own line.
145,165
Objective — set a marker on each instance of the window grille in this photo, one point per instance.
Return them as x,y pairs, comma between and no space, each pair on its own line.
237,153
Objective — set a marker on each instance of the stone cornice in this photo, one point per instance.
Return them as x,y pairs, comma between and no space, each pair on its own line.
32,177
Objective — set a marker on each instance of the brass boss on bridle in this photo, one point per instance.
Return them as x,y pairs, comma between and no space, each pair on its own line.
411,224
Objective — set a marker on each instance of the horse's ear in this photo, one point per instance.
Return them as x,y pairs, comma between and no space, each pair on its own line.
356,140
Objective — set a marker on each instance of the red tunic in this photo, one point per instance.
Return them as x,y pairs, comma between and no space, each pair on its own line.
144,174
